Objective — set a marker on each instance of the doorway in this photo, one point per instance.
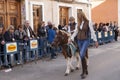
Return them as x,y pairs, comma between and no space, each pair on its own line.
64,16
37,16
10,13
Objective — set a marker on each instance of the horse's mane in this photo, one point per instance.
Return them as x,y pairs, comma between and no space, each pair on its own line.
64,32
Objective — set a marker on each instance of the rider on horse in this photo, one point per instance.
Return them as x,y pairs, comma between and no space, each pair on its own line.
83,32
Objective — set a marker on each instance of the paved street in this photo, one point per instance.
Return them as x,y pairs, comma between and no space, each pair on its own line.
104,64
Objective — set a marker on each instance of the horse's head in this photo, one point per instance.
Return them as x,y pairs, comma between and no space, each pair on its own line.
61,38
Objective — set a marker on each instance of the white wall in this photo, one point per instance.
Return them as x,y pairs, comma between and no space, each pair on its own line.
51,10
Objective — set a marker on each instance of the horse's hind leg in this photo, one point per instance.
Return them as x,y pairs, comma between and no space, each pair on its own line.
68,66
78,61
71,66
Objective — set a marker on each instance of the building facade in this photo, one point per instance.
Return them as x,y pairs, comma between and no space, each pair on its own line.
15,12
106,11
56,11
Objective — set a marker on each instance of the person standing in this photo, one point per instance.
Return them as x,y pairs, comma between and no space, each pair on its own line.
83,31
116,31
30,35
42,34
2,42
51,36
21,36
9,36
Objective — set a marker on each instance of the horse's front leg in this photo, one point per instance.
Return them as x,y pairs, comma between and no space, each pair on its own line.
71,66
78,61
68,66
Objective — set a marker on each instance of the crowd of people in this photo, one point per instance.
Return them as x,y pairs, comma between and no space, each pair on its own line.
46,34
105,27
100,27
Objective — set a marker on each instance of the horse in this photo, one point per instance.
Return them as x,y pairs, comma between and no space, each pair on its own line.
61,39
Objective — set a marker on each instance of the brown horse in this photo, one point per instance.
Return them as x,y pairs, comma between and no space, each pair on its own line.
61,39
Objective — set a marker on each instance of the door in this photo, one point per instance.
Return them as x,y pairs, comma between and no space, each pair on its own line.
2,12
64,15
37,16
10,13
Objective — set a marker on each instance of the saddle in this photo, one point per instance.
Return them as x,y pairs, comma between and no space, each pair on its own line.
71,49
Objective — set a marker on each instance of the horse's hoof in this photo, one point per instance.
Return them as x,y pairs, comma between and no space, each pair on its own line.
72,70
77,68
66,74
86,72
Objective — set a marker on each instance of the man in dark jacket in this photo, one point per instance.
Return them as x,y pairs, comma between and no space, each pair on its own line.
30,34
29,30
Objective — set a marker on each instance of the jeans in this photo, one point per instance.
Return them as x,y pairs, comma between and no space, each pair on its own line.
83,45
52,51
43,46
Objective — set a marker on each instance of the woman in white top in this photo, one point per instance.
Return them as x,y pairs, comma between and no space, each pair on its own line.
83,32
